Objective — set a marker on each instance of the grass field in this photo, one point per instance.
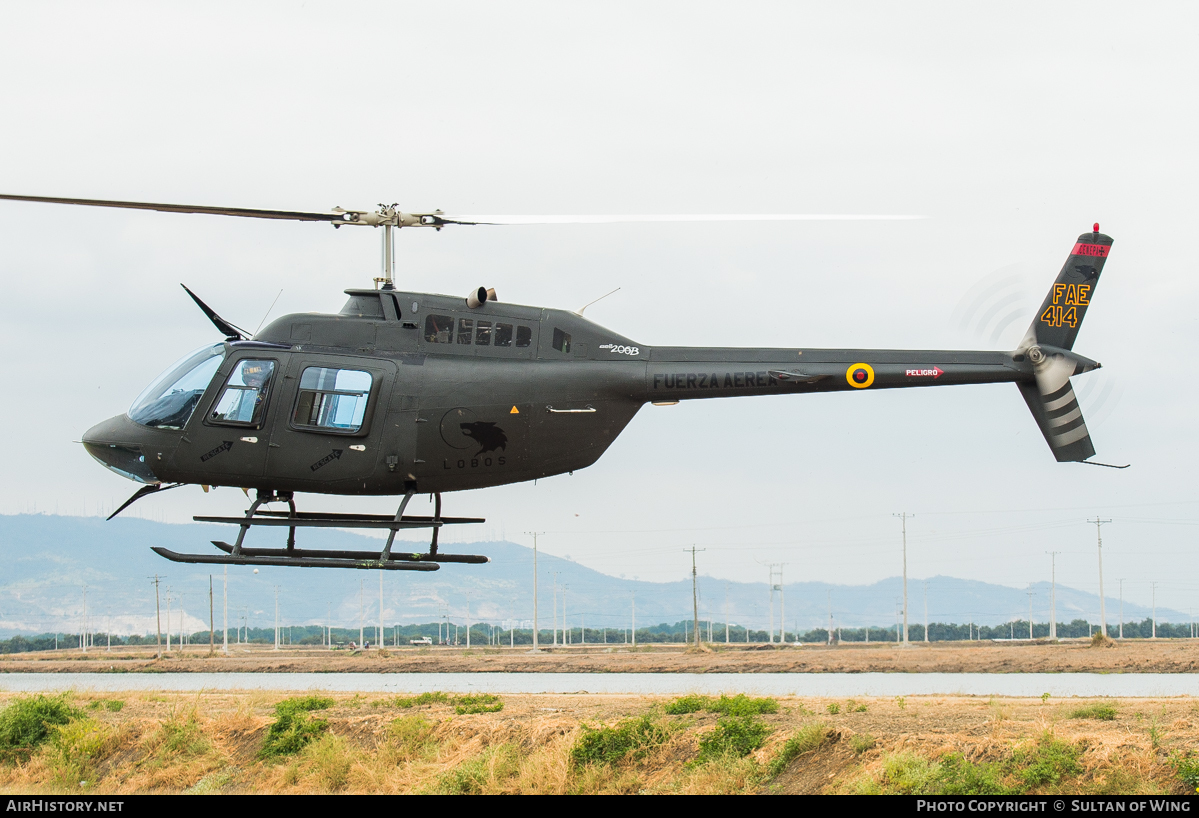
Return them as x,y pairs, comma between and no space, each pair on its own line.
441,743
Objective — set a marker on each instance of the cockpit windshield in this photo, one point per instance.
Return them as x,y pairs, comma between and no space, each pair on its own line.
168,403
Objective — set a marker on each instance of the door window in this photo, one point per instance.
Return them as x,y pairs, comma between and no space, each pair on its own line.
332,399
244,398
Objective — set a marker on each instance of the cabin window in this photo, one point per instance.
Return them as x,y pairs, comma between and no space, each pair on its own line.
483,334
503,335
363,306
244,398
561,340
439,329
465,325
332,399
524,337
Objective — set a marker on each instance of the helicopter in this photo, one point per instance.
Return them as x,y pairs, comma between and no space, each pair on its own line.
405,393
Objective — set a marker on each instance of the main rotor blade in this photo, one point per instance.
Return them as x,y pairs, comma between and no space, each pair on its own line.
390,216
686,217
294,215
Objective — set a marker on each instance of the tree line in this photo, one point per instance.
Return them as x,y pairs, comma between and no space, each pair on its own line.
482,635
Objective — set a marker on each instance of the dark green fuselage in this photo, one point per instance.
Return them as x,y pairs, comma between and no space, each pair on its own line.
453,407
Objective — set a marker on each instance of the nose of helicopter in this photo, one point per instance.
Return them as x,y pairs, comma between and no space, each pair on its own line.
114,443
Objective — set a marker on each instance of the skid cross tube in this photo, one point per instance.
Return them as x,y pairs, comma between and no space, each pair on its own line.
259,499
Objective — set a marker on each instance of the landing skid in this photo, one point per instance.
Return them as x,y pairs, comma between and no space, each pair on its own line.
384,559
297,561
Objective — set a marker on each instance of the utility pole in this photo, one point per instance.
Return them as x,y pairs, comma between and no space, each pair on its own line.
1053,595
926,612
904,527
534,534
468,620
1099,535
225,615
1154,586
830,619
726,613
169,619
775,586
379,641
695,594
555,612
634,619
158,615
362,614
1029,592
1121,581
276,617
211,620
83,634
782,609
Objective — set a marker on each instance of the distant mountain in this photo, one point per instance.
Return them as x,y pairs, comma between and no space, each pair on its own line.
49,559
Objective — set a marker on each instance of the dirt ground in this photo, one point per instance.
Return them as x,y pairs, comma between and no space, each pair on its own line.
1133,656
210,742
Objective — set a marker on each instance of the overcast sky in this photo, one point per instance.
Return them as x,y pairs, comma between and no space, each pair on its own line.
1010,127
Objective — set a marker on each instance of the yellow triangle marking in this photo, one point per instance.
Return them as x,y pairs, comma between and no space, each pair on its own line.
514,411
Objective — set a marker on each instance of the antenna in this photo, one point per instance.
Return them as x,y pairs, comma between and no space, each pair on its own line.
579,311
268,312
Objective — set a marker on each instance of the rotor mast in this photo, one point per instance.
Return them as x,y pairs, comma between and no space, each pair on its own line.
387,281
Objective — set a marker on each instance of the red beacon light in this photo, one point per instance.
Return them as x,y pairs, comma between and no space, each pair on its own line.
1096,227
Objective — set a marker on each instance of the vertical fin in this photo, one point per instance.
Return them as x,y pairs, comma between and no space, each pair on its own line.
1049,342
1057,323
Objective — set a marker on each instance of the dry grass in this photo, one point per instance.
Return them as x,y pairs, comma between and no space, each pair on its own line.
211,743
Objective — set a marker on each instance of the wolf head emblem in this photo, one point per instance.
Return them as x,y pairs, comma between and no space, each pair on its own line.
489,436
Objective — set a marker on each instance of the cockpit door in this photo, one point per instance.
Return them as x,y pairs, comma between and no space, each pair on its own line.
225,442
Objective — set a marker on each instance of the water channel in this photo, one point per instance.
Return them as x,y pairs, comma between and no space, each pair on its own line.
660,684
